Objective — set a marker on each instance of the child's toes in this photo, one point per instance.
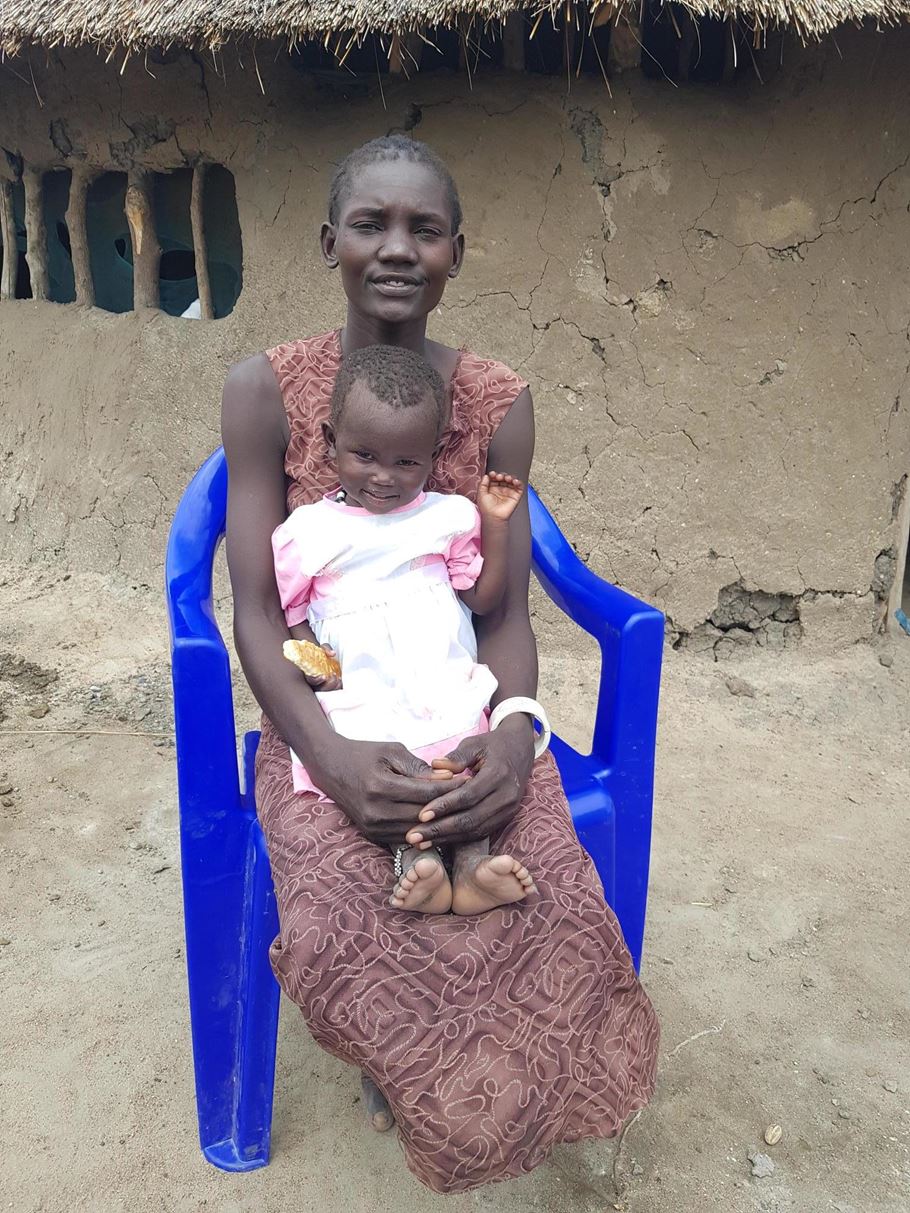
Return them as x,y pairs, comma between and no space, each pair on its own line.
525,877
401,890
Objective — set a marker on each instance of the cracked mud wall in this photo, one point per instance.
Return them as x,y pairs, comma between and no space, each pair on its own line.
707,289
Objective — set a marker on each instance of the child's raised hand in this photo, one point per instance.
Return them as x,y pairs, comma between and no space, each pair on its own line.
498,495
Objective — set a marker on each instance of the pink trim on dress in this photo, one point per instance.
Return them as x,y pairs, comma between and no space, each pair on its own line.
329,499
294,586
464,559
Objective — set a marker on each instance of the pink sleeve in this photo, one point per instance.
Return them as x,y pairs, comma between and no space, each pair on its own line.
293,583
463,558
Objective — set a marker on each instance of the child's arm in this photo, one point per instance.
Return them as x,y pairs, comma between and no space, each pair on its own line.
302,631
497,498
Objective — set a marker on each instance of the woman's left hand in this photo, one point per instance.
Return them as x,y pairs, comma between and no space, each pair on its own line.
500,765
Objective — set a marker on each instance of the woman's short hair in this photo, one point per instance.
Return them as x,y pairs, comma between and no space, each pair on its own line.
392,147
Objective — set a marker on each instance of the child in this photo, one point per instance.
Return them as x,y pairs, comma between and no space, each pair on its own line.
386,576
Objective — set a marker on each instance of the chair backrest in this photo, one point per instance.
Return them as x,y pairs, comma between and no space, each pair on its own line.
203,702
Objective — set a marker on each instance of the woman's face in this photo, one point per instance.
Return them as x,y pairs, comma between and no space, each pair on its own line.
393,241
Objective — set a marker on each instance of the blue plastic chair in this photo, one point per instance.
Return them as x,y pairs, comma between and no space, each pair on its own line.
229,902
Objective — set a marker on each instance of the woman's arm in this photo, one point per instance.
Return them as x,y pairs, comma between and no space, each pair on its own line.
497,497
501,761
365,779
255,435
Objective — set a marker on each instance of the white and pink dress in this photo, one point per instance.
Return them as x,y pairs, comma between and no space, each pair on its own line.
381,590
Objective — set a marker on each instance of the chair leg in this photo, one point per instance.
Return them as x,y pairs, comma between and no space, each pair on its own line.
230,922
259,1026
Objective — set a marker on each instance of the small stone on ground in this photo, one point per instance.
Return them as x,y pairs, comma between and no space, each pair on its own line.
762,1166
739,686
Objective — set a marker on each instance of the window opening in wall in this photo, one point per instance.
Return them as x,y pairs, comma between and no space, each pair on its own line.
681,47
441,51
55,195
545,53
369,57
706,61
224,243
108,236
23,277
595,49
482,49
674,46
178,288
88,250
660,40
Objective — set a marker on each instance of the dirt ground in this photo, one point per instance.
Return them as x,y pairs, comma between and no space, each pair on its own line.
774,951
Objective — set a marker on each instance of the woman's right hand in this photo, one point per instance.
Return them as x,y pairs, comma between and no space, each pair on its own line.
381,786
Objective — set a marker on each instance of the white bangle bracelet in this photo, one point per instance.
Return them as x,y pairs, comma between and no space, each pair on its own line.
520,703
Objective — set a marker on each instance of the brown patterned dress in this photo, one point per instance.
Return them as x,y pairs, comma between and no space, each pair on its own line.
493,1037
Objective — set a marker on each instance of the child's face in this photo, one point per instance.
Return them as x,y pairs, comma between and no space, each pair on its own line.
384,454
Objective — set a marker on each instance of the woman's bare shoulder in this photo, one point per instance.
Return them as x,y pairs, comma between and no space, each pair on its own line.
512,445
444,358
252,375
251,402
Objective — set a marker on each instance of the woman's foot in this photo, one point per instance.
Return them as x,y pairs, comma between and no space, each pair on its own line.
379,1114
486,881
424,885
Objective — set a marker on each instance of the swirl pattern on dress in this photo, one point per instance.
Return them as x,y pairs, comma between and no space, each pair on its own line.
494,1037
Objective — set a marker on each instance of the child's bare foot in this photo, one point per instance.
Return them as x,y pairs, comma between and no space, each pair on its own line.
424,883
485,881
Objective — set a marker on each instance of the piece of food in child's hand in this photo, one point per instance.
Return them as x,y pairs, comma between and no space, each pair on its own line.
313,660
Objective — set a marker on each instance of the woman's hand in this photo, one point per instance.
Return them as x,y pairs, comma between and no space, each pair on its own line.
500,766
381,786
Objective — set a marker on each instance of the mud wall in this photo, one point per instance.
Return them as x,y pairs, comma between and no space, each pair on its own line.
705,286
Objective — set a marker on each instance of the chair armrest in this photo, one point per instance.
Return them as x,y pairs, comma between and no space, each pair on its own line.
630,635
594,604
203,701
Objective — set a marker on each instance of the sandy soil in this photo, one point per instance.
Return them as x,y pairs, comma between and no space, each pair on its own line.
774,951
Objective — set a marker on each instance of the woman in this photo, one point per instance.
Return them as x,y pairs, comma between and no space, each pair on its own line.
490,1038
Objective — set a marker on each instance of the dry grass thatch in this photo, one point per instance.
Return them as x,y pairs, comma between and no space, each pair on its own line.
134,25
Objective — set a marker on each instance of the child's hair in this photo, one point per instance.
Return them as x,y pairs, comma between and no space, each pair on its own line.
396,377
392,147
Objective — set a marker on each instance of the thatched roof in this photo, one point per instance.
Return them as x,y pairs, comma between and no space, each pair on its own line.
140,24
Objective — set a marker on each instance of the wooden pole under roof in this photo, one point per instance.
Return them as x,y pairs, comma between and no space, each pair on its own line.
200,250
10,271
140,213
35,233
77,226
